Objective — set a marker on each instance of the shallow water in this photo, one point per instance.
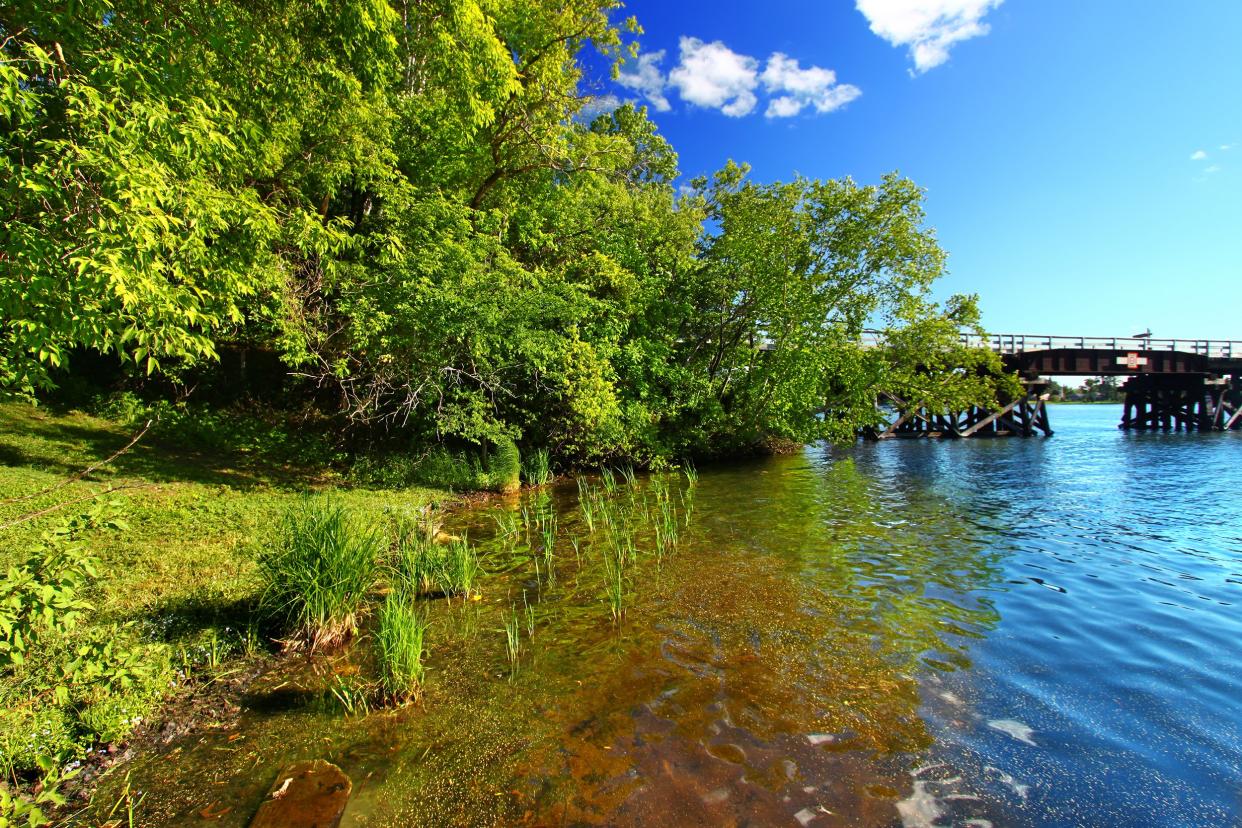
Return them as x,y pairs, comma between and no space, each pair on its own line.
1004,632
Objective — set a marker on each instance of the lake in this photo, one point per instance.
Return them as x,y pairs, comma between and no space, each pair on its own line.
975,632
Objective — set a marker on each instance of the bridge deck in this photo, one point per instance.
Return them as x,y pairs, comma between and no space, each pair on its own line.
1048,355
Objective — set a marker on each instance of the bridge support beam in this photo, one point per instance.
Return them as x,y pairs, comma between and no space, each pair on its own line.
1180,402
1025,416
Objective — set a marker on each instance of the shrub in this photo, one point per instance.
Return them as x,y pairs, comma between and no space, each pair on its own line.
68,683
399,647
318,575
439,468
42,597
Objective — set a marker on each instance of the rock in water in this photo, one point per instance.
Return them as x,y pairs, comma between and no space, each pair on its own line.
305,795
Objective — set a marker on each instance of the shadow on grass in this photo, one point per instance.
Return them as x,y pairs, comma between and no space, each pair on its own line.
65,444
182,619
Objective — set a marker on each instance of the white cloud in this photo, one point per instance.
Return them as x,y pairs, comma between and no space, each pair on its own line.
1211,169
1227,147
598,105
799,88
1198,155
714,76
929,28
648,79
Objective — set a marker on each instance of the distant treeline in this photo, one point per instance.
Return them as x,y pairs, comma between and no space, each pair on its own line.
1094,389
414,218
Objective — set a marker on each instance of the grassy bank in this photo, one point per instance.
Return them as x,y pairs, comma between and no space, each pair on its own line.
176,539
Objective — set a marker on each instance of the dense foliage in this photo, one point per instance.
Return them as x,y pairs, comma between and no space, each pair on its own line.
410,205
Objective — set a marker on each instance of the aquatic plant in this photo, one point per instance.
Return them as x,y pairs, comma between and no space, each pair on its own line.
424,561
627,472
351,694
614,586
530,617
513,636
609,480
548,536
537,467
588,502
691,473
506,527
400,636
414,564
317,575
665,523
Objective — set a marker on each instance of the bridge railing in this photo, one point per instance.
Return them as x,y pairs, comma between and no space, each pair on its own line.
1019,343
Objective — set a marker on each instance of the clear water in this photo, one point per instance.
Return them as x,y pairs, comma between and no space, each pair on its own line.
1004,632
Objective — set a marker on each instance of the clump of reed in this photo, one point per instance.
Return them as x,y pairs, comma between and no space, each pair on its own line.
400,646
506,528
425,562
530,617
318,573
351,694
537,467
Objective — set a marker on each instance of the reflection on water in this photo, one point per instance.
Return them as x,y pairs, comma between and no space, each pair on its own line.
979,632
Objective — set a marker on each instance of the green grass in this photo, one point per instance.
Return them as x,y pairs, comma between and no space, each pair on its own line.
400,636
183,576
318,574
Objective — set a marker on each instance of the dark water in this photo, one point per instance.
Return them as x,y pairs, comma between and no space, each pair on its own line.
1005,632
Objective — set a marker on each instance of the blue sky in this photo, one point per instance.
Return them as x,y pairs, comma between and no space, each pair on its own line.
1059,140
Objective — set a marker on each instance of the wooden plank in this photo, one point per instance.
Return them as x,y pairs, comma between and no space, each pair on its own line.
992,417
1233,419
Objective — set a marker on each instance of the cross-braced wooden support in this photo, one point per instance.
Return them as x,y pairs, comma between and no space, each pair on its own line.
1175,402
1024,416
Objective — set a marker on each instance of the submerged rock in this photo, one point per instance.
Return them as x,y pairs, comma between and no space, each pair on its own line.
305,795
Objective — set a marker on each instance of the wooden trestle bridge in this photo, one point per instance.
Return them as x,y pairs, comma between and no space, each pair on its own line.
1172,384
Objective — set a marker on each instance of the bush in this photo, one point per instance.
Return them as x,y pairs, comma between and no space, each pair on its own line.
68,684
399,647
253,431
121,407
318,575
438,468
